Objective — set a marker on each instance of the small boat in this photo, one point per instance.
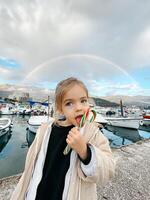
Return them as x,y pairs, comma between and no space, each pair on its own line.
125,122
4,140
146,120
146,116
5,125
6,110
100,119
35,122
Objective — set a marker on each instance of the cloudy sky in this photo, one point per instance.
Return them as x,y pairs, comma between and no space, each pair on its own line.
104,43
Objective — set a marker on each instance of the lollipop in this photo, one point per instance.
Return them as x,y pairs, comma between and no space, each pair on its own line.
90,116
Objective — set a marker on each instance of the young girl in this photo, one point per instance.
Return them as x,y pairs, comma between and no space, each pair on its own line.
50,174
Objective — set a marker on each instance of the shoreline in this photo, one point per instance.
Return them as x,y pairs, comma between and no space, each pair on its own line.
131,180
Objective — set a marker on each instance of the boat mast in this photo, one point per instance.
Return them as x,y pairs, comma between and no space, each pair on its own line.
121,106
48,107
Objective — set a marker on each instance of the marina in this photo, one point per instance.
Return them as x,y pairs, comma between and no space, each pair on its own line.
15,143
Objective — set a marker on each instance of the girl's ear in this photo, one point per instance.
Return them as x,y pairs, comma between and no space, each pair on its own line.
60,112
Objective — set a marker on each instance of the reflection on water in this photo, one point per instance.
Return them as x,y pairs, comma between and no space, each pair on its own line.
125,133
29,137
14,145
4,139
12,148
121,136
145,128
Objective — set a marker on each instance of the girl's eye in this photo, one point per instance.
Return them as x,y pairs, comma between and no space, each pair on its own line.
84,101
69,104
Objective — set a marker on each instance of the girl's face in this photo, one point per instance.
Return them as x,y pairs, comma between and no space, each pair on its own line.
75,104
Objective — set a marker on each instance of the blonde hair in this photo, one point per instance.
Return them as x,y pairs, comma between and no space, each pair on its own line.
61,89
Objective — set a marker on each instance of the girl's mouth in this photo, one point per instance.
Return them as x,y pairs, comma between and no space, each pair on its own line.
78,119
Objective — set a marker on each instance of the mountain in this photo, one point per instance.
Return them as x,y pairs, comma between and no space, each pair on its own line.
130,100
104,103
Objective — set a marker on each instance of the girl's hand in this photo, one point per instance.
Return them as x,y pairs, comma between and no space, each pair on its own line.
76,141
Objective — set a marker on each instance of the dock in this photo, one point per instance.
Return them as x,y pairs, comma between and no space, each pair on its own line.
131,180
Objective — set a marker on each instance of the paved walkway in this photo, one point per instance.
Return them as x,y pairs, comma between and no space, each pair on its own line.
131,181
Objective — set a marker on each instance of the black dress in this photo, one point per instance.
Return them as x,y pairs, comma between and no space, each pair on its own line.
56,165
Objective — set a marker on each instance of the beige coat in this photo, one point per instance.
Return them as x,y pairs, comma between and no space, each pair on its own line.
80,187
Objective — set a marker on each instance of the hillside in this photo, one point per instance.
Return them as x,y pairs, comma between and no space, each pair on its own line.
104,103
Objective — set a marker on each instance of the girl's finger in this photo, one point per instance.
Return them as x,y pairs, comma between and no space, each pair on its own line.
74,129
68,141
72,133
69,137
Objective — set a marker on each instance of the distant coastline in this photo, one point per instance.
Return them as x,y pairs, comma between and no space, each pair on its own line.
10,90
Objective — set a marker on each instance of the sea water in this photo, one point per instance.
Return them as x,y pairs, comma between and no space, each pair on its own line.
15,143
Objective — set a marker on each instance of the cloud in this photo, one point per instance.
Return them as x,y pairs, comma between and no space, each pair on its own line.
110,88
34,32
142,47
4,71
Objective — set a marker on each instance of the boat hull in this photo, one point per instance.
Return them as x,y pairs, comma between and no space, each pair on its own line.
146,117
5,125
145,122
124,122
33,128
35,122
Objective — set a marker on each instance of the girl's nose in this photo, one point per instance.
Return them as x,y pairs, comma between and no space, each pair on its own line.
78,106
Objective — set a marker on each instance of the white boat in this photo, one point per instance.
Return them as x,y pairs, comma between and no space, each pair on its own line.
145,122
5,125
6,110
22,109
125,122
35,122
100,119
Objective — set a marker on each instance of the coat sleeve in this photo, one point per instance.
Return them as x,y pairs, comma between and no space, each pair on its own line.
104,164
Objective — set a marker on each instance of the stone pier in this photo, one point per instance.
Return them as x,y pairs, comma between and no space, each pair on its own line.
131,180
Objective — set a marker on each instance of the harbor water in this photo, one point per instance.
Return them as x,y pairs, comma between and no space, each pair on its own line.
13,147
14,144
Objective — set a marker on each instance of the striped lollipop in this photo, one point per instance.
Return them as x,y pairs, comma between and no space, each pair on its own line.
94,115
90,116
87,116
